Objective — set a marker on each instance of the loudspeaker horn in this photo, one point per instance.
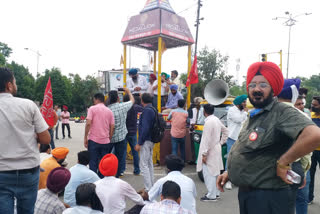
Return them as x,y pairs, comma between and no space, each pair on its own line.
216,92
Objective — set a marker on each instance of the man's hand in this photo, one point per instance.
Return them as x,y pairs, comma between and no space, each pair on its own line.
282,173
85,142
204,159
163,108
137,88
222,180
125,89
137,147
144,195
304,183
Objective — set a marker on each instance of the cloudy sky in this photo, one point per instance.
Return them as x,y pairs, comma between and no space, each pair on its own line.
82,36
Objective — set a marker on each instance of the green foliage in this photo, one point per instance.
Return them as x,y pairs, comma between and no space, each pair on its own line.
5,50
313,86
24,80
2,60
238,90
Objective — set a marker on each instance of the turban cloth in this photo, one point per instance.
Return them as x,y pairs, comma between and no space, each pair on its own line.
65,107
174,87
152,76
240,99
270,71
166,75
133,71
108,165
290,90
60,152
58,179
174,162
198,100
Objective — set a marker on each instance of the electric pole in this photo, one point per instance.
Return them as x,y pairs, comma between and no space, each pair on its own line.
197,26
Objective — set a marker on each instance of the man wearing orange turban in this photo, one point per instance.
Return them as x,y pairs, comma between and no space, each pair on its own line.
59,154
113,191
271,139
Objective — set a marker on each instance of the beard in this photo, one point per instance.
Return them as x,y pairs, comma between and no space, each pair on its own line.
241,107
258,101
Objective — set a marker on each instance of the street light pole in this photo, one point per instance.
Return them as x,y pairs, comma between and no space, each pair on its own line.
290,21
38,57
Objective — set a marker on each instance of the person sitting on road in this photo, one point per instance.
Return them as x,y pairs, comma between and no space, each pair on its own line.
170,201
113,191
48,201
45,152
188,189
87,201
59,154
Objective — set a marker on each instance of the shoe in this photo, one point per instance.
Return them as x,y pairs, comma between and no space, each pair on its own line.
206,199
229,185
191,163
136,174
57,138
218,197
70,137
310,202
63,137
121,174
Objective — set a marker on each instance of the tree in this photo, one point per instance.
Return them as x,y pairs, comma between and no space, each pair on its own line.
313,86
5,50
211,65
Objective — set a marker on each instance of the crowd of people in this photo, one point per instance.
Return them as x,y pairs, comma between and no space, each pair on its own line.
268,146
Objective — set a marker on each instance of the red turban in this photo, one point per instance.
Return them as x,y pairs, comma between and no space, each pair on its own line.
65,107
108,165
152,76
270,71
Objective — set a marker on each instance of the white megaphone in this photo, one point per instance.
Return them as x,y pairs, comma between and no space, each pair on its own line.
216,92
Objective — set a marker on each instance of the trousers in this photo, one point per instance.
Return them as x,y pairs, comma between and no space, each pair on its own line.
146,164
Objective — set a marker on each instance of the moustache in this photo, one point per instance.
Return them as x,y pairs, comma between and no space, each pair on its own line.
257,93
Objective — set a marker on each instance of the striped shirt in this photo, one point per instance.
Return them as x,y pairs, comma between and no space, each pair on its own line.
48,203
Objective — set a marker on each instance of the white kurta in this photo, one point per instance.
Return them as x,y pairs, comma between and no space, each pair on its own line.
211,145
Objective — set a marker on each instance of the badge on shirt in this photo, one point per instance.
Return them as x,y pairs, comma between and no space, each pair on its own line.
253,136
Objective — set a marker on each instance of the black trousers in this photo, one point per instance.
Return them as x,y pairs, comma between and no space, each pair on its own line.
262,201
68,127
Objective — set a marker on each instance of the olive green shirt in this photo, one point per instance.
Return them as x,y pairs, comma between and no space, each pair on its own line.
264,137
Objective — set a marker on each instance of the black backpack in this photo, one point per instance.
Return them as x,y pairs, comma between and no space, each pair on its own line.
158,128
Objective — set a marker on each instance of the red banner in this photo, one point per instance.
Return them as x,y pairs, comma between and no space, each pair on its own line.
47,105
193,74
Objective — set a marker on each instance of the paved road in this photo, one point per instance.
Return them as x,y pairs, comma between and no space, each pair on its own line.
228,203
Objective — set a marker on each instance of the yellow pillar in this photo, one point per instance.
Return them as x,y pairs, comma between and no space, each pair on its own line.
155,62
124,65
189,68
159,72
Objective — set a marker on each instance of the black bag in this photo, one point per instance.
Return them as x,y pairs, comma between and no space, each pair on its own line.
158,128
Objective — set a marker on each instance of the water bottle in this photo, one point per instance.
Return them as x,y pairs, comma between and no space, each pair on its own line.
293,177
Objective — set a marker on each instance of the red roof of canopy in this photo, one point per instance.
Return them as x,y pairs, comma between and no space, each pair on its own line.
157,19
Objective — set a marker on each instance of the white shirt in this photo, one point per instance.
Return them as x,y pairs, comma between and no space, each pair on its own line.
43,156
81,210
163,88
235,118
210,145
113,193
20,120
141,82
80,174
201,117
187,186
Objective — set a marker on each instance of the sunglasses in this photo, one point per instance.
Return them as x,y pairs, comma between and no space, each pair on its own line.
261,85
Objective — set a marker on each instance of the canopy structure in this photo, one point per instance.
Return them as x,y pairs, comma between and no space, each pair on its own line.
157,27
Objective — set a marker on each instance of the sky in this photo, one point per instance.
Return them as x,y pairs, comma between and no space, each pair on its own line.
83,37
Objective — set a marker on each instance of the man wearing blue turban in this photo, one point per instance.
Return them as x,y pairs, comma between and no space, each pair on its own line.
173,98
237,114
137,84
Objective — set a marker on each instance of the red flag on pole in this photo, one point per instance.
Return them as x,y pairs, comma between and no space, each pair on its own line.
47,105
193,74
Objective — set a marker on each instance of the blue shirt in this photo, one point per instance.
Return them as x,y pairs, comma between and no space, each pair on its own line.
173,100
80,174
131,122
146,123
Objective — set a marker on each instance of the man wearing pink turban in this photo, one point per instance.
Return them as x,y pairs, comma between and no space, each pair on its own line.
271,139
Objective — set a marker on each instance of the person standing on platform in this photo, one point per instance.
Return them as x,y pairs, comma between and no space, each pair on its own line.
152,79
315,158
210,158
173,98
22,125
137,84
145,145
164,91
175,80
271,139
237,114
120,111
98,131
179,119
65,115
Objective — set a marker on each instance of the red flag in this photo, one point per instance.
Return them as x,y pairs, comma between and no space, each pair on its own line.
47,105
193,74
